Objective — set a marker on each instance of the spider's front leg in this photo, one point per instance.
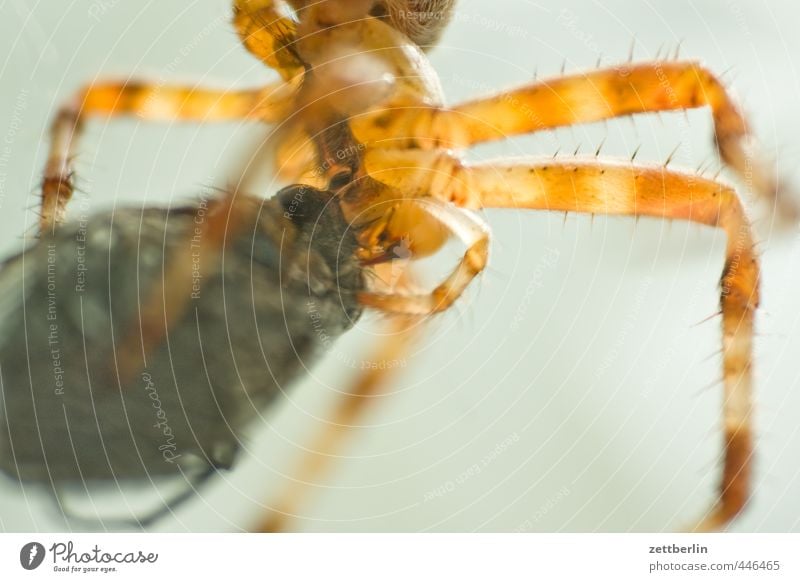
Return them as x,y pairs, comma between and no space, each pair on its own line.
150,102
584,98
465,226
591,186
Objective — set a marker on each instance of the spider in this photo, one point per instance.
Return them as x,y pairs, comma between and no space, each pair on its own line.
375,159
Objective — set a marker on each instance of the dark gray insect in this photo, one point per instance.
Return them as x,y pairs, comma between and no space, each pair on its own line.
243,321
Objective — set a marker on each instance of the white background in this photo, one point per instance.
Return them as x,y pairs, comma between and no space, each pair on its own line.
599,385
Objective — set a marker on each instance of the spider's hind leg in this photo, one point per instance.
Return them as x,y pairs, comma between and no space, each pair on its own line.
399,335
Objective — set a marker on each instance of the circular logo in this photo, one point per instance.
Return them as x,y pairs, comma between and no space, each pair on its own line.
31,555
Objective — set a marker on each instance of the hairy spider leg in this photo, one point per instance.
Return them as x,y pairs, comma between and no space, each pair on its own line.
150,102
617,188
583,98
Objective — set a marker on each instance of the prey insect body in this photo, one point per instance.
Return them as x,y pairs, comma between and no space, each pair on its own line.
96,402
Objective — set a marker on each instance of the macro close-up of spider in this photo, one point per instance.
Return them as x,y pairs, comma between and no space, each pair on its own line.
398,265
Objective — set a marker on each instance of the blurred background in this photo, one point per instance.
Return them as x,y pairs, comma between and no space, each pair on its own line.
568,391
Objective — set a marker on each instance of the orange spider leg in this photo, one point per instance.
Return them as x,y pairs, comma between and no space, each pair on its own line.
583,98
168,299
150,102
268,35
400,333
591,186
